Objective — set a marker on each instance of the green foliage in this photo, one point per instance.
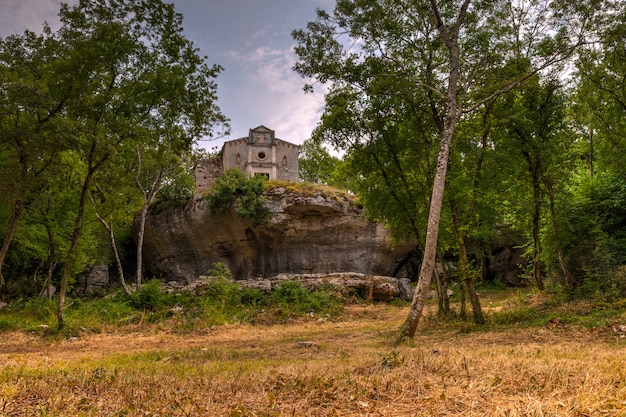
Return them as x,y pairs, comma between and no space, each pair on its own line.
593,223
110,101
94,313
392,361
317,165
177,192
234,188
220,270
293,298
39,309
518,315
150,297
33,314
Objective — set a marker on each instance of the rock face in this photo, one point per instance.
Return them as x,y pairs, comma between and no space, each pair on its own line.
307,234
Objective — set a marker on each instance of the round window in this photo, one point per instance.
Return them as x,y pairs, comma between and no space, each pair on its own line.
261,155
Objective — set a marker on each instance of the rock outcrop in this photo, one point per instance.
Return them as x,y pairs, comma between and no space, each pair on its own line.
307,234
372,287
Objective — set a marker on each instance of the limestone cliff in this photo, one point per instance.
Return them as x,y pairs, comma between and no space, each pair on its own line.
307,234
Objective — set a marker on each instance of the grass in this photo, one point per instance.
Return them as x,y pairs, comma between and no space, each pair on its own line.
310,189
344,365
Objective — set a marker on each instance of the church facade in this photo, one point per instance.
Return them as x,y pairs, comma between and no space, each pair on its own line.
260,153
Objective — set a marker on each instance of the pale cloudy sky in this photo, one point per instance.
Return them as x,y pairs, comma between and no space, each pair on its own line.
251,39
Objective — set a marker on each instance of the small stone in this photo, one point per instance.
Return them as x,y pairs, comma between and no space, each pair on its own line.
307,344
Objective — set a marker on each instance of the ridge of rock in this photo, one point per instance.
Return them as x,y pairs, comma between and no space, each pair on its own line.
308,233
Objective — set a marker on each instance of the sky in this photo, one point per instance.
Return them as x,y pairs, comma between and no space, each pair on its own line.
250,39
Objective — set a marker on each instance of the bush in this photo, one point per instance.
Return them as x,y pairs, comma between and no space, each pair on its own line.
98,311
234,188
149,297
593,236
293,298
39,309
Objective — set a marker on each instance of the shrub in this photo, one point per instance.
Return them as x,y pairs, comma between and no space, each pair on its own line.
293,298
100,311
149,297
234,188
593,225
220,270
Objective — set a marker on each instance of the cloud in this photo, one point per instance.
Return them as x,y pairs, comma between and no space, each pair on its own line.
20,15
278,97
258,85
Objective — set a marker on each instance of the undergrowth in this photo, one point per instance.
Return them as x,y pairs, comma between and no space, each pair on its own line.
311,189
224,302
221,302
236,189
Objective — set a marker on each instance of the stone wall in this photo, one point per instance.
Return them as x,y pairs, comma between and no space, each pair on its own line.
234,154
206,172
286,161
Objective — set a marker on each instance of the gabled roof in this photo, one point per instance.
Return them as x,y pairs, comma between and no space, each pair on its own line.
260,129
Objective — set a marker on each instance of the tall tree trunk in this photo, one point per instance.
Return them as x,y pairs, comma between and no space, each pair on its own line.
140,235
52,260
444,303
148,198
591,155
467,272
536,237
432,231
439,288
434,215
555,230
116,253
441,293
78,226
18,208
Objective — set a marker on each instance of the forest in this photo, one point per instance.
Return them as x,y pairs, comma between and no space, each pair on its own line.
450,120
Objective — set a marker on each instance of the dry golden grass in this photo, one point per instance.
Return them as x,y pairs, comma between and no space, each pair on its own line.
312,368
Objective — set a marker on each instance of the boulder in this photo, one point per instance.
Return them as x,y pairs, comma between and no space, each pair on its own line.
95,280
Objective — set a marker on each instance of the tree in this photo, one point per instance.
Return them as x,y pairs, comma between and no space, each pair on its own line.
447,52
600,100
532,130
470,201
128,74
115,203
317,165
155,168
33,130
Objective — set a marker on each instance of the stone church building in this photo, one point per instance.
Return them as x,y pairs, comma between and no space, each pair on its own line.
260,153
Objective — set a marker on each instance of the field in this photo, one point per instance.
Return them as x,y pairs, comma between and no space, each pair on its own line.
312,366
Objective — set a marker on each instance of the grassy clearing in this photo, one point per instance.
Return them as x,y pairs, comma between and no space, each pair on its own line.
345,365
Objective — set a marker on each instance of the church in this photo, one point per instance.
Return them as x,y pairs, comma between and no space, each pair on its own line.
259,153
